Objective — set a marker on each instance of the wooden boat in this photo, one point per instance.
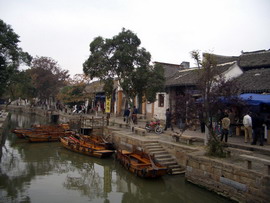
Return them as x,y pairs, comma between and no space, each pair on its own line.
20,132
41,133
97,140
87,148
46,136
60,127
141,164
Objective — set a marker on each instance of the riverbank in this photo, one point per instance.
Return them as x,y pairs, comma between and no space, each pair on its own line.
238,177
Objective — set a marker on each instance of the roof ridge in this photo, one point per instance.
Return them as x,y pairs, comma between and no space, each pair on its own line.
228,63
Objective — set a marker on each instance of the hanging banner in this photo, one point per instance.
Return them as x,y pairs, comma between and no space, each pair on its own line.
108,105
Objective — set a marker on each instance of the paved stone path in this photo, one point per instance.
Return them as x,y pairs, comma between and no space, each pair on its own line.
236,141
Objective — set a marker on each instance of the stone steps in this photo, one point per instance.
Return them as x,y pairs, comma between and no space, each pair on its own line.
151,143
154,147
178,171
163,157
168,163
157,152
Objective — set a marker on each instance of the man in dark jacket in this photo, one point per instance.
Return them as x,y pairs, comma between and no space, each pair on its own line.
126,115
257,125
134,115
168,120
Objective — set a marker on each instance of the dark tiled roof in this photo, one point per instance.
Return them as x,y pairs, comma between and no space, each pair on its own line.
170,69
94,87
97,87
185,77
224,67
224,59
257,59
255,81
190,77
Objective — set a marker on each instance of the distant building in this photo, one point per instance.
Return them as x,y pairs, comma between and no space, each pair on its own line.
251,70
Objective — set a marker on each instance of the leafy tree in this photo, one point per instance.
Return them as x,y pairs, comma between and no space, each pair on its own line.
21,86
47,77
155,82
75,92
11,55
71,95
122,57
81,79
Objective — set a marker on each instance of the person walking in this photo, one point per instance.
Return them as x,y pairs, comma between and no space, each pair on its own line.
225,123
247,122
168,115
126,115
134,115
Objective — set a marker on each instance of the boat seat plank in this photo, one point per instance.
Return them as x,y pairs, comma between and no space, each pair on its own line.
141,165
144,160
125,152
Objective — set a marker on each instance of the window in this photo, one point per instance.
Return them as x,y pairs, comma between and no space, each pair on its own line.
161,100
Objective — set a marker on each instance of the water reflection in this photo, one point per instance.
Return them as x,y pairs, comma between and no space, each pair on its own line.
24,121
47,172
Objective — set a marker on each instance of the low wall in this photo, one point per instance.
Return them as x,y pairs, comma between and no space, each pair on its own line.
230,180
121,139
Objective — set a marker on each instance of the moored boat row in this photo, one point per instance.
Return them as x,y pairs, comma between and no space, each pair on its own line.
137,162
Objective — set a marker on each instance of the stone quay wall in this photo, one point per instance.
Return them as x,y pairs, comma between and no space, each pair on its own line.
121,140
227,179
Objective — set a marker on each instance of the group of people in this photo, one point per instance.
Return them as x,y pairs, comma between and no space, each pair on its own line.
133,114
253,127
79,109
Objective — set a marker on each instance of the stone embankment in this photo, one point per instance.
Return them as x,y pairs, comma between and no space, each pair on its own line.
243,176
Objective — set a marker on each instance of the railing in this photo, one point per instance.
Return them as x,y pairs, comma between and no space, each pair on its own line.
92,122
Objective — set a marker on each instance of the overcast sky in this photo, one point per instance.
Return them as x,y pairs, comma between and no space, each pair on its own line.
168,29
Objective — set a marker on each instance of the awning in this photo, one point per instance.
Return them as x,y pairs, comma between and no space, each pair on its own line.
100,96
256,99
250,99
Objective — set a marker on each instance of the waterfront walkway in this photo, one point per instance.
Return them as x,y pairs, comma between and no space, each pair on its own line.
234,141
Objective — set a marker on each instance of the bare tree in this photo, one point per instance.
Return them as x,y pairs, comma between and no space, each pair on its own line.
216,94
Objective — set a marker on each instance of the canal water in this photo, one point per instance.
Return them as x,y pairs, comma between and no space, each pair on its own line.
47,172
